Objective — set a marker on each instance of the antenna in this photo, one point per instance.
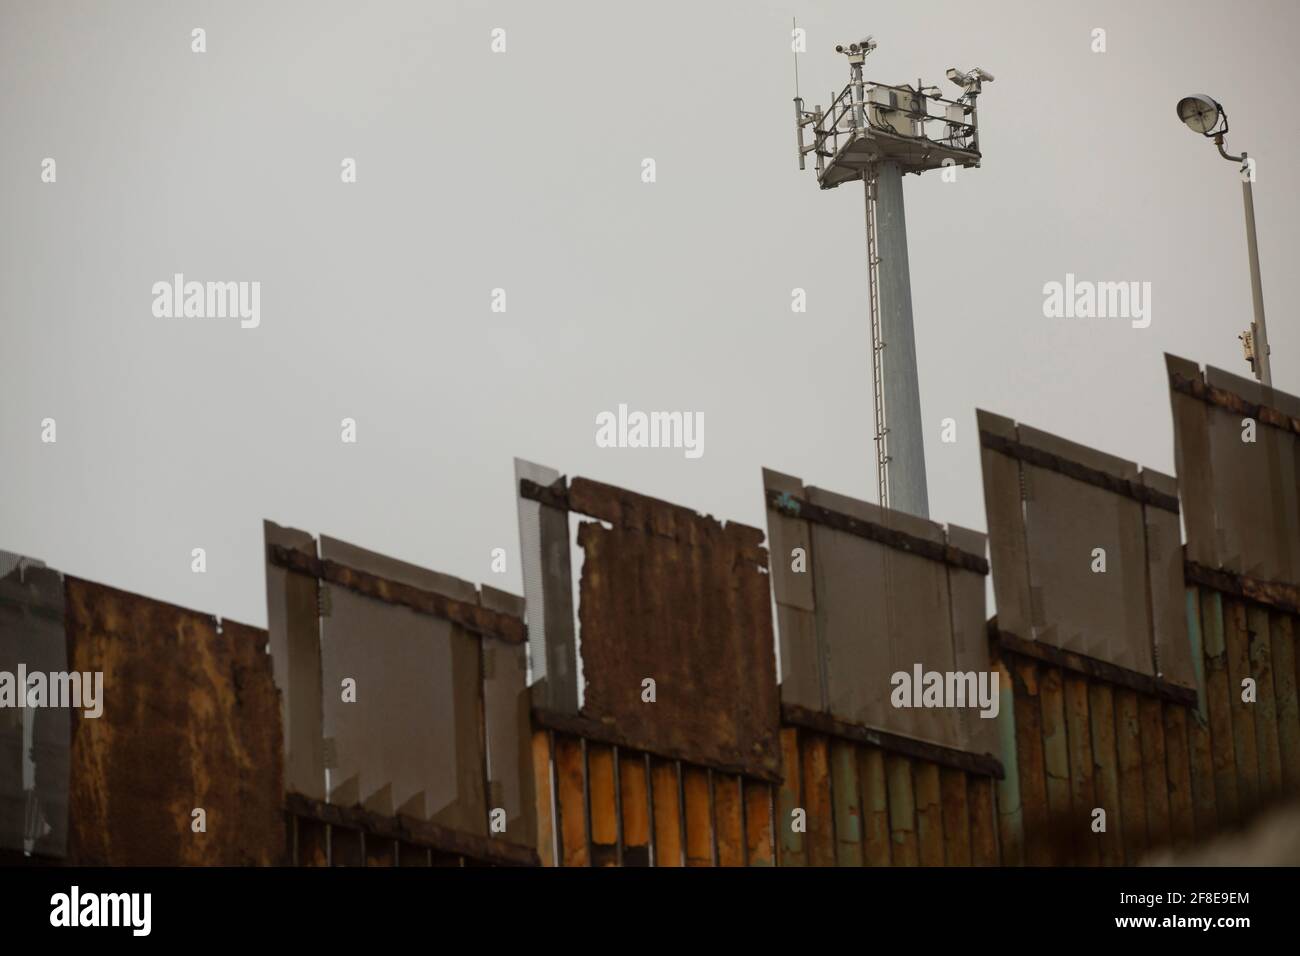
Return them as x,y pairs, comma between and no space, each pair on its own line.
794,28
799,123
875,132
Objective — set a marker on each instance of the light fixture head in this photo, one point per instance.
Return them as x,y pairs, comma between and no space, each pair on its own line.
1203,114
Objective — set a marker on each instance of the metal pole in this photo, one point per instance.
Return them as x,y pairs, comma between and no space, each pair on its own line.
1263,366
906,458
859,120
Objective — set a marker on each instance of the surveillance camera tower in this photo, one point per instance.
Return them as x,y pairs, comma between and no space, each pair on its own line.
875,133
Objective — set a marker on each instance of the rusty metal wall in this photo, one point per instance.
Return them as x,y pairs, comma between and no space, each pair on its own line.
682,599
679,599
601,804
860,804
1085,551
1168,772
191,720
669,595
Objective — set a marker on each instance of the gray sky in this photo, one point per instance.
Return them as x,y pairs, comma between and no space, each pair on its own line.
522,170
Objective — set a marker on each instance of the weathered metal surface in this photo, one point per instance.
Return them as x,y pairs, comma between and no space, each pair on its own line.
293,626
634,808
1244,744
865,805
888,591
1238,454
1056,762
929,819
1030,761
1102,613
956,818
697,811
847,802
1260,656
1275,594
1185,379
790,850
666,797
544,789
423,600
1219,693
902,811
817,722
1105,756
1029,454
1086,553
1168,765
1172,646
191,720
507,725
608,733
760,840
421,834
983,822
875,806
728,819
1102,670
34,759
794,507
1132,806
422,686
1082,762
571,794
411,671
819,838
1182,820
1286,677
548,585
1205,808
790,542
602,800
681,599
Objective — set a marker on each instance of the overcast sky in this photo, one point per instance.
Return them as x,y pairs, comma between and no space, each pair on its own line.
522,170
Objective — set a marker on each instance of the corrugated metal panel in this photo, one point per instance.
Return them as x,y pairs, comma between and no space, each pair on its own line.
679,598
191,720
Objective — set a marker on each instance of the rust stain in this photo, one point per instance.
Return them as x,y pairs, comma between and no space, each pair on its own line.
191,719
680,598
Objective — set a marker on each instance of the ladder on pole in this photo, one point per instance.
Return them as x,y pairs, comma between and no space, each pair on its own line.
877,346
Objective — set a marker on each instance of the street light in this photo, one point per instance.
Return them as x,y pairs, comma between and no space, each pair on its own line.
1205,115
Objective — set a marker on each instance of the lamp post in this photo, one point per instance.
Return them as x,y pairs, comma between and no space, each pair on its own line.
1205,115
